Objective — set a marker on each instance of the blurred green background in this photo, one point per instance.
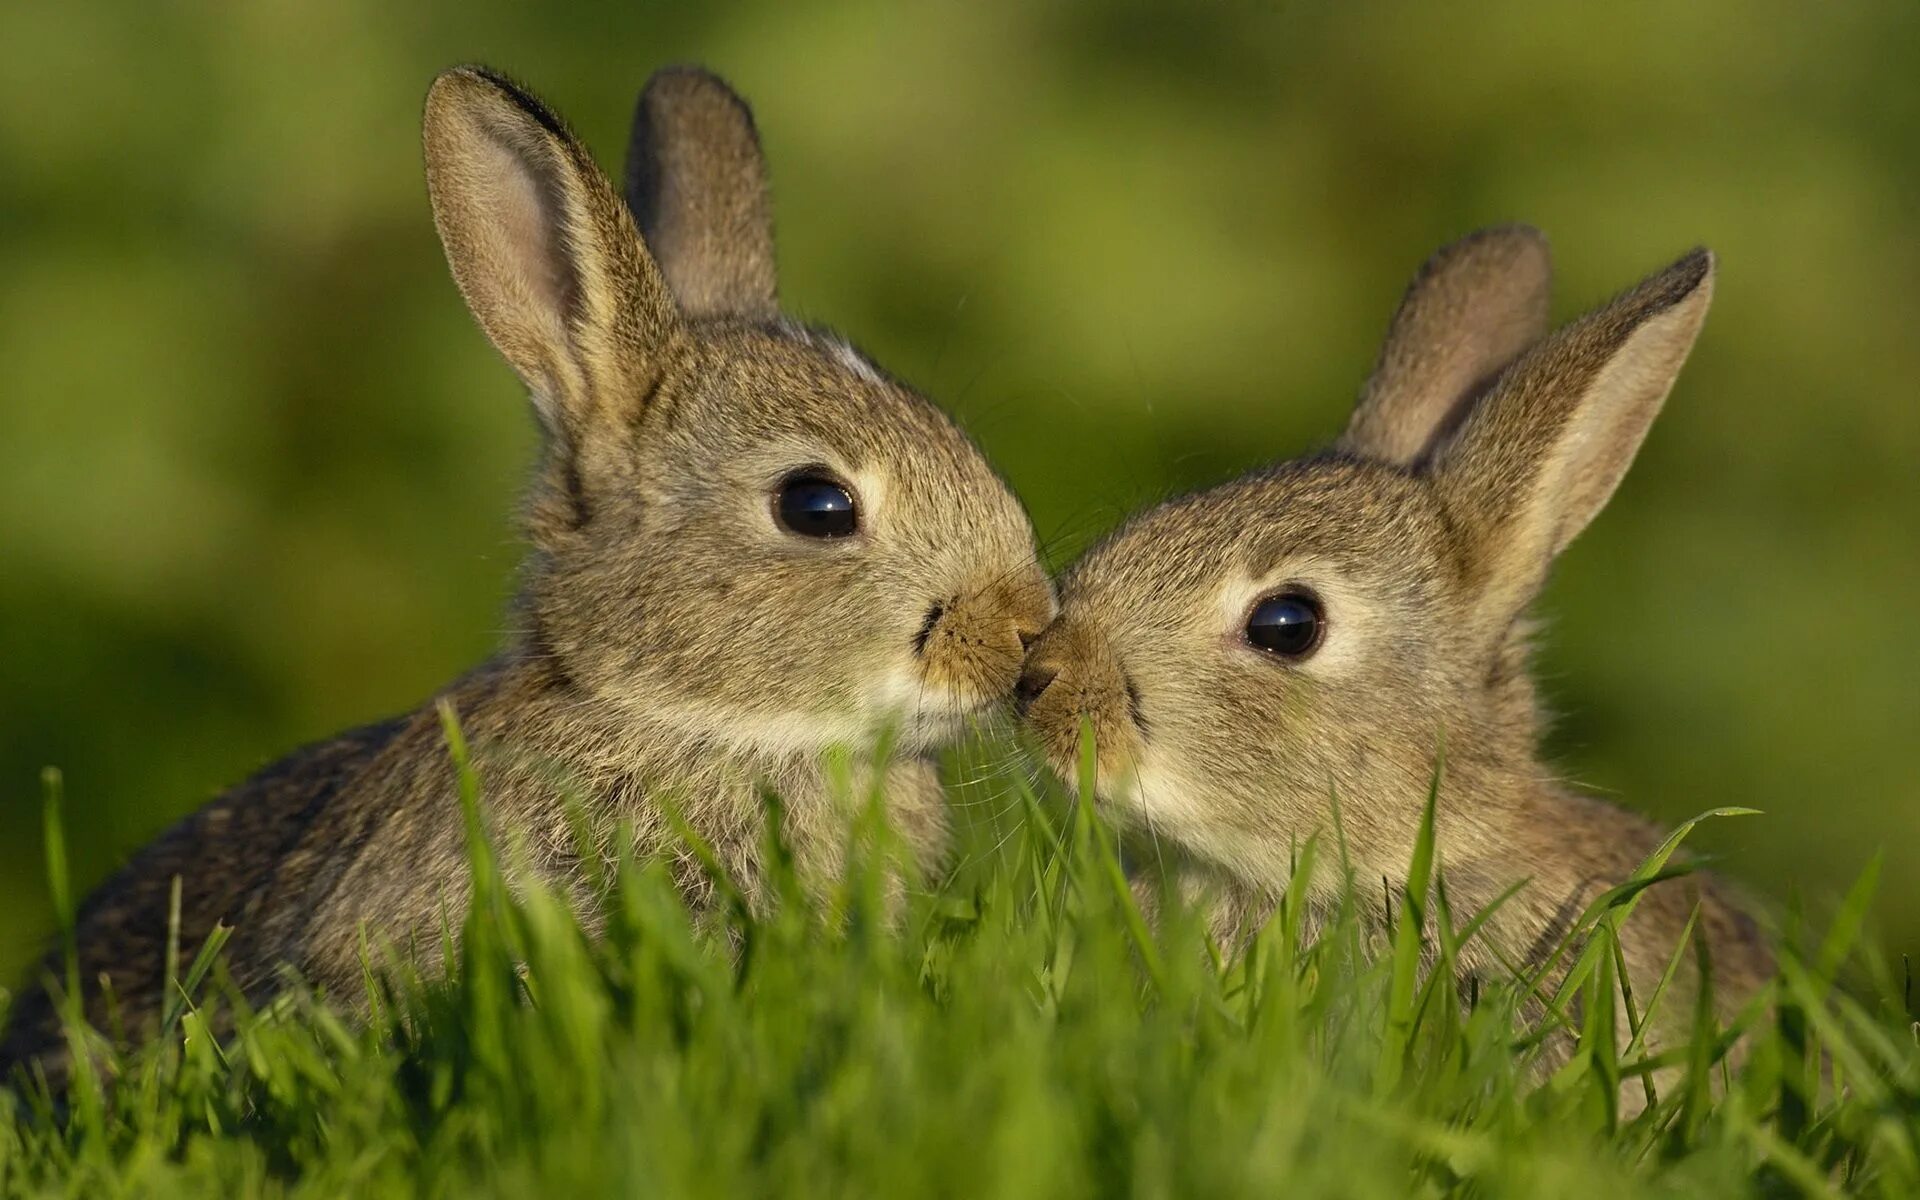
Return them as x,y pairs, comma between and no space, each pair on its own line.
257,466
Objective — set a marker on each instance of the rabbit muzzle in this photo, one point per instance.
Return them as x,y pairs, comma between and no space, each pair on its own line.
1073,675
970,648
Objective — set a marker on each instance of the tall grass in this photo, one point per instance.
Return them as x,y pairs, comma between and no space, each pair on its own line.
1019,1030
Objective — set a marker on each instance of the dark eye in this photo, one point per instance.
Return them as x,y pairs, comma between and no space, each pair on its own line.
1289,625
813,505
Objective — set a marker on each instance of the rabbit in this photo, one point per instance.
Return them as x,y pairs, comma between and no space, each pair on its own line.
1335,626
748,545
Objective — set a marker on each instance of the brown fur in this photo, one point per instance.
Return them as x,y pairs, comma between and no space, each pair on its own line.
698,187
1471,461
672,639
1475,307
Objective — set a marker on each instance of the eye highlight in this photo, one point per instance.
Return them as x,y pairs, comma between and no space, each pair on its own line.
1289,625
813,504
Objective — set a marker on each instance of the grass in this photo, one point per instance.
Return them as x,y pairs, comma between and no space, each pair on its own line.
1019,1030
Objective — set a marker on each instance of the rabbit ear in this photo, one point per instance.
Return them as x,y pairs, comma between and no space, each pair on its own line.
697,183
1474,307
1537,458
543,250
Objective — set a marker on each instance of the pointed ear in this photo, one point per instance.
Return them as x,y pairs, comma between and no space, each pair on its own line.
697,184
1476,305
543,250
1539,456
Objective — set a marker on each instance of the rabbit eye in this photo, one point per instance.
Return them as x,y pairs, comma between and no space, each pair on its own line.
815,505
1289,625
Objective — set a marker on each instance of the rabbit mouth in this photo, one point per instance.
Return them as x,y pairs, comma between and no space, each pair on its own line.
1058,705
1117,751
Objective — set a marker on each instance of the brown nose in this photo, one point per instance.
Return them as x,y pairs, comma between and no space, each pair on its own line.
1033,681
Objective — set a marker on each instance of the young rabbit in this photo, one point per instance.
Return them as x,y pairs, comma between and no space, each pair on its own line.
748,545
1321,628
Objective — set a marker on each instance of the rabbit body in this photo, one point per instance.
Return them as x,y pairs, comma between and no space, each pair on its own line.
749,545
1319,630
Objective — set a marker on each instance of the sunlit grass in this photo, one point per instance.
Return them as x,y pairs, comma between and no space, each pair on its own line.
1018,1030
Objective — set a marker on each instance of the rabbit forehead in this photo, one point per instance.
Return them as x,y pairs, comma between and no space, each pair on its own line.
763,400
1373,525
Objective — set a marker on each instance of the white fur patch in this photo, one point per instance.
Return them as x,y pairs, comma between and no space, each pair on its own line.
1171,804
856,363
919,714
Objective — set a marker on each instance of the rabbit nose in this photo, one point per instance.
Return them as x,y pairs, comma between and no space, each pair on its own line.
1029,634
1033,681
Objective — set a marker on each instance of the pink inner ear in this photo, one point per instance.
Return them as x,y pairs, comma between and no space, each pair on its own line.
1617,409
523,227
525,222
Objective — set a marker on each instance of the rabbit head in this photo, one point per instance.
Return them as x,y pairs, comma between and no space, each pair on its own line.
741,528
1317,629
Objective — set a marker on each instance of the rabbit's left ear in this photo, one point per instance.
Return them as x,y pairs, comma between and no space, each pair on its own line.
544,253
1538,457
697,185
1476,305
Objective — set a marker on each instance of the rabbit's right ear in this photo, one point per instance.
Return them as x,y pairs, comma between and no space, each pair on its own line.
1476,305
1539,456
697,184
544,252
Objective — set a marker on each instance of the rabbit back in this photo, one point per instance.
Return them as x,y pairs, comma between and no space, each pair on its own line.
235,862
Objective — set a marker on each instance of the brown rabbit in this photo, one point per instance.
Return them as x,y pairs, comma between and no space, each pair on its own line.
748,545
1319,628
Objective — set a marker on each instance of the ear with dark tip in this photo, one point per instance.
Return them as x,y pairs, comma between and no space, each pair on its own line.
697,184
1538,457
1475,306
543,250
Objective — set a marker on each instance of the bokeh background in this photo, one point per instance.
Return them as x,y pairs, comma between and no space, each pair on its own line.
257,466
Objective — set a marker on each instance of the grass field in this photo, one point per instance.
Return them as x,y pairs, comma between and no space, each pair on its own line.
1017,1031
